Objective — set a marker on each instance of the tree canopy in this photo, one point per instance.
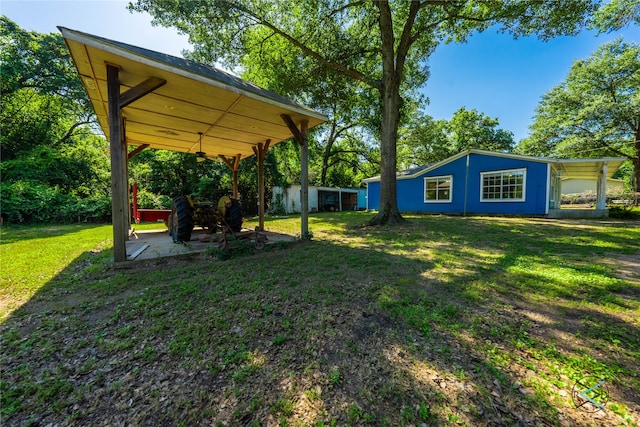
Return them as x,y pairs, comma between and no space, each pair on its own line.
428,140
43,99
616,14
339,152
380,44
55,164
595,112
54,168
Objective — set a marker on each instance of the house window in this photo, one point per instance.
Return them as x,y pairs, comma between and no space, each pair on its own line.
438,189
508,185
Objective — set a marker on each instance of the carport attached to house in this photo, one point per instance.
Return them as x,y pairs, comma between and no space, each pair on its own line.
148,99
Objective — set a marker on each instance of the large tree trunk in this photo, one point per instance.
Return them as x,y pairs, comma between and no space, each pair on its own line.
389,213
636,178
635,161
392,70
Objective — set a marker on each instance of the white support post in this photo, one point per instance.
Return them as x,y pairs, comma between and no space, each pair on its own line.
601,189
558,193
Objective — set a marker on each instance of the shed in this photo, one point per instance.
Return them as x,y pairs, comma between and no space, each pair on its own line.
321,199
146,99
484,182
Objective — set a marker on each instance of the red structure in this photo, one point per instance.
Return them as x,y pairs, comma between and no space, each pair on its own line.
148,215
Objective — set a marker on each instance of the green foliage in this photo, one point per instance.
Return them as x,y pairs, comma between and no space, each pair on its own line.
428,140
423,142
627,211
380,46
32,202
81,169
43,100
334,376
336,149
38,61
89,209
278,207
470,129
166,174
308,235
149,200
594,112
616,14
248,180
27,202
54,169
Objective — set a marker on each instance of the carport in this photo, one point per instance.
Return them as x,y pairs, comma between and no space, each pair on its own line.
601,169
146,99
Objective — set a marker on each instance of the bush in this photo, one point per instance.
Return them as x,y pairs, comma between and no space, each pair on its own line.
91,209
624,212
149,200
278,207
26,202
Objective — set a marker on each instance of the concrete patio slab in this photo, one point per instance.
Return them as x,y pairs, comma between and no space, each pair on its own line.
152,244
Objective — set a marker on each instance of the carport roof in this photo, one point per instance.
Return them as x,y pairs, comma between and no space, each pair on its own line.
588,168
233,115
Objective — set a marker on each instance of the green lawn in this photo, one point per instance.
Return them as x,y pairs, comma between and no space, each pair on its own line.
440,321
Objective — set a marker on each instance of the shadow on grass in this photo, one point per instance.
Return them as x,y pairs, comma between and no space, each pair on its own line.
436,322
16,233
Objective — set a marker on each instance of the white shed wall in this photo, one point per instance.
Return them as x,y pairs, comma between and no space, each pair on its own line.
577,186
291,196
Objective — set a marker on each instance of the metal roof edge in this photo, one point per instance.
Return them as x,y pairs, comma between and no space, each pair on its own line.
125,50
597,160
495,154
423,171
510,155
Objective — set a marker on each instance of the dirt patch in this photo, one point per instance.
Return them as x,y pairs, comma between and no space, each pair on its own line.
625,267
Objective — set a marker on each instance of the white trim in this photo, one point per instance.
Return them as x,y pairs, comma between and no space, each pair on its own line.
424,188
548,191
502,200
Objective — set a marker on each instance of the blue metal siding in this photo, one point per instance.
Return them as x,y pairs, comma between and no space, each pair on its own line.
362,198
373,195
536,182
411,191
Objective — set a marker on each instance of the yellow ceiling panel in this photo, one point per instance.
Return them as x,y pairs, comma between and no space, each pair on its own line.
233,115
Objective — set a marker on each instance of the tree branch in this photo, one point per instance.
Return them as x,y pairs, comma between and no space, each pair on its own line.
69,133
406,38
345,7
604,143
385,21
304,48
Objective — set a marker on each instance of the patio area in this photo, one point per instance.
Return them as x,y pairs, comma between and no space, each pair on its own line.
152,244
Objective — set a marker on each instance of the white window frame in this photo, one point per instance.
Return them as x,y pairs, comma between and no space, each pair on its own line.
502,173
443,177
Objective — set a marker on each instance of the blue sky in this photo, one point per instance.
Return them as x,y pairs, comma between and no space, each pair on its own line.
492,73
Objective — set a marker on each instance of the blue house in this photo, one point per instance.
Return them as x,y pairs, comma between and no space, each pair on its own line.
483,182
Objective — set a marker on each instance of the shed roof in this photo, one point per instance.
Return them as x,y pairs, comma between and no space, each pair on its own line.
232,114
570,168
